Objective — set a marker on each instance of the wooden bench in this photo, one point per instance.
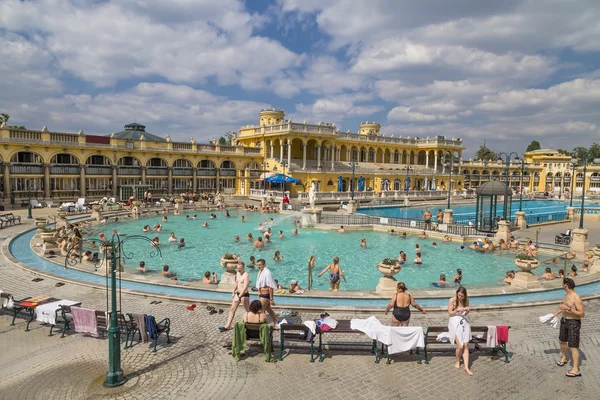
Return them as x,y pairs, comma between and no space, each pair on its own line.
433,331
295,333
13,218
343,326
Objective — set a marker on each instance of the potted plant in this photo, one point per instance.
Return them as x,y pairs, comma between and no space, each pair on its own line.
48,234
389,267
229,262
41,222
526,262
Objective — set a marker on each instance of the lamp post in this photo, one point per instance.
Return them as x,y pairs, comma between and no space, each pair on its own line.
114,254
584,160
451,165
521,185
573,166
284,166
353,165
507,161
29,216
265,165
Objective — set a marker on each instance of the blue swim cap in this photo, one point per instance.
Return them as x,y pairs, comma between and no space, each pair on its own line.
462,247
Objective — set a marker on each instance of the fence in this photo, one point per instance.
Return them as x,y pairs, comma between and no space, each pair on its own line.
354,219
533,219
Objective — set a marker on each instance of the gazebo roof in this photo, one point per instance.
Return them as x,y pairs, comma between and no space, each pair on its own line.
494,188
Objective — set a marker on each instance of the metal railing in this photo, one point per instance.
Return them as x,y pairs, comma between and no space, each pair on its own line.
534,219
183,171
64,169
206,172
227,172
27,169
129,171
98,170
157,171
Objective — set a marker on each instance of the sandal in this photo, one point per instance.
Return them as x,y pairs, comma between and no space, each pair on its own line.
223,329
573,375
562,363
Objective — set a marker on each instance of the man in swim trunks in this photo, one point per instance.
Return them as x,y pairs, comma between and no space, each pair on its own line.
427,219
266,285
258,243
570,326
240,294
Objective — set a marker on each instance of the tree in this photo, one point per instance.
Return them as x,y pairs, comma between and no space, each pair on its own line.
534,145
4,119
485,154
594,152
564,152
580,152
222,141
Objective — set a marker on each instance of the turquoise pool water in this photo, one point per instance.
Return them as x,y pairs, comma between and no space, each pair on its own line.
21,250
205,246
466,212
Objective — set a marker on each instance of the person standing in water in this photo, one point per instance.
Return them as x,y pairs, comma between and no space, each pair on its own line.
335,274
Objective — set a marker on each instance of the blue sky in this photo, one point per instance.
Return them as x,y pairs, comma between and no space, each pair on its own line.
505,72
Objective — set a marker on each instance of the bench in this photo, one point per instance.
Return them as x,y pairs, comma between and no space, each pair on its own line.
343,327
13,218
432,332
295,333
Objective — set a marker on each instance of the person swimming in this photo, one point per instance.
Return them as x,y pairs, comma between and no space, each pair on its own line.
458,277
442,283
418,259
172,238
181,243
363,242
402,257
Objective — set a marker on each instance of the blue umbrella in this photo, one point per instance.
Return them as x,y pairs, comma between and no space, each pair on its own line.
361,184
340,183
281,178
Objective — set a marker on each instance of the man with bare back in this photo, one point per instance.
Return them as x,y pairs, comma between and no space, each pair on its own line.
570,326
240,294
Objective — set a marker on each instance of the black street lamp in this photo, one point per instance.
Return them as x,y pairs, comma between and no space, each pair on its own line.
265,165
353,164
584,160
521,185
451,165
115,254
573,167
29,216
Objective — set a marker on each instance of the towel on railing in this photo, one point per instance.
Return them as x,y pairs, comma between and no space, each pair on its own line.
140,320
405,338
491,336
502,333
46,313
84,320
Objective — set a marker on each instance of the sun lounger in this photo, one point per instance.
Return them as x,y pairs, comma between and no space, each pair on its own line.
34,203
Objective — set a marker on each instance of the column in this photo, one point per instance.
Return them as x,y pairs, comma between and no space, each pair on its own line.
304,145
435,162
170,181
114,181
7,189
82,190
218,178
427,160
195,179
333,150
408,160
144,175
319,157
289,158
272,150
46,181
281,152
414,158
348,153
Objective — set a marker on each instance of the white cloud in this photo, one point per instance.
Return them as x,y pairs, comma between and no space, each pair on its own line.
335,109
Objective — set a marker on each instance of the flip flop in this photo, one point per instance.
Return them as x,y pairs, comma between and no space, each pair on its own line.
223,329
191,307
562,363
212,312
572,375
220,311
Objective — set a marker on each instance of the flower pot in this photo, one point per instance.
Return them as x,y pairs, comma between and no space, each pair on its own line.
527,265
62,214
230,265
49,237
389,271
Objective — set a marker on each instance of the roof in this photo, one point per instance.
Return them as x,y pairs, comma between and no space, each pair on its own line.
135,131
494,188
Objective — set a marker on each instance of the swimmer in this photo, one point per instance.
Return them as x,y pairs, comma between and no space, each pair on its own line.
295,232
434,244
294,287
146,228
252,262
181,243
573,272
442,282
158,227
447,239
422,235
277,257
548,275
418,259
363,242
236,239
164,218
458,277
404,235
142,267
341,230
172,238
402,257
417,248
205,225
250,237
280,234
155,241
509,277
561,273
258,243
243,218
195,216
586,267
227,213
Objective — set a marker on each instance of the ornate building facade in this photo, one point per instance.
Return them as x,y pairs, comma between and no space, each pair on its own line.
62,166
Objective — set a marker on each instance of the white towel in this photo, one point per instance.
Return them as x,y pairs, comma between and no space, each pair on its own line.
443,337
46,313
459,327
331,322
405,338
265,279
371,327
85,321
549,319
491,340
312,326
4,300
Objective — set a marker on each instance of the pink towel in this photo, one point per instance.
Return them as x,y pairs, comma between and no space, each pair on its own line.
85,320
502,333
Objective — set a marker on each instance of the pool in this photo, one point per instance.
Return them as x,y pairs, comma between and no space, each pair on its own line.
465,212
205,247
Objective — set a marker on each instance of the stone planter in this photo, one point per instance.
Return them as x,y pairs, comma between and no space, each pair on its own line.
40,223
228,277
527,265
387,283
62,214
49,237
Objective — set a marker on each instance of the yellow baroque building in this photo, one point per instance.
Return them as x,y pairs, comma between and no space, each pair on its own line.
63,166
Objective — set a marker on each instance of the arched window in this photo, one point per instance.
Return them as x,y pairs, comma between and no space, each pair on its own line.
182,163
64,158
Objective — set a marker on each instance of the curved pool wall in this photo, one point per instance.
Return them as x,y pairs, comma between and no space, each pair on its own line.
20,248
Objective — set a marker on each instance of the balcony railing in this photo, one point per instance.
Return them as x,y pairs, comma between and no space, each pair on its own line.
64,169
255,174
129,170
98,170
157,171
206,172
183,171
226,172
30,169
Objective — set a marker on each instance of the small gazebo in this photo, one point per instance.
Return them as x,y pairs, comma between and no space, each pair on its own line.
487,213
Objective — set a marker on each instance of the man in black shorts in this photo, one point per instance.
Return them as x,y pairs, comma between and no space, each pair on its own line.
570,326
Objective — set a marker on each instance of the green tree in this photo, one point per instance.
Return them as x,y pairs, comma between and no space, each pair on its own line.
564,152
534,145
222,141
594,152
4,119
580,152
485,154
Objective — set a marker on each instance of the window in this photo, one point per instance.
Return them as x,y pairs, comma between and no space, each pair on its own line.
226,183
98,183
206,183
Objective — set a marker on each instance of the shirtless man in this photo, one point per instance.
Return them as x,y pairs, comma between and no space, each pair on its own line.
266,285
240,294
570,325
427,219
258,243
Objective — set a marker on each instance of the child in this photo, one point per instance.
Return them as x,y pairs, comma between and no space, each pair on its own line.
181,243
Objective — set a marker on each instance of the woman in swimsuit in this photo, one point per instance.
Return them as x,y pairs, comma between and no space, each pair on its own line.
254,315
402,257
401,303
334,276
459,327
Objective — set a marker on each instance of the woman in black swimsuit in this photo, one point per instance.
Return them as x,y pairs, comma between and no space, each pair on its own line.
401,303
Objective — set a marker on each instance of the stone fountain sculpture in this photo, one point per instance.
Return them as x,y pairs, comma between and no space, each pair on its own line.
311,216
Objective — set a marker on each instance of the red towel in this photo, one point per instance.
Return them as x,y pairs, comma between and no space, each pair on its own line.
502,333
